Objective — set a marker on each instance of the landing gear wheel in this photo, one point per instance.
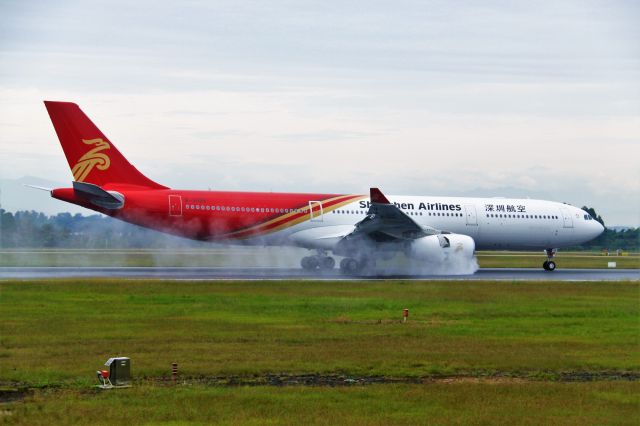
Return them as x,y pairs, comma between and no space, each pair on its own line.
327,263
350,266
549,265
343,264
309,263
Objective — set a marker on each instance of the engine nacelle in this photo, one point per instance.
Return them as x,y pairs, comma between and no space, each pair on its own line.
442,247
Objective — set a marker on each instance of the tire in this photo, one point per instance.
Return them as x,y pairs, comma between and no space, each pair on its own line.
545,265
343,264
327,263
352,266
551,266
304,262
349,266
309,263
313,262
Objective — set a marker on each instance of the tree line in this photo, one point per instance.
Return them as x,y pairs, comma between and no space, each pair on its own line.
30,229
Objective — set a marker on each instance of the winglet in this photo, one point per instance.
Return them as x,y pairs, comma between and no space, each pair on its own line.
377,196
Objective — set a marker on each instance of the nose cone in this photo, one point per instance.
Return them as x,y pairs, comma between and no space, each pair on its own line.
595,228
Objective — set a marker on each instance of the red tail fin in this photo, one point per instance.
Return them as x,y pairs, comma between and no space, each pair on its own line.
91,156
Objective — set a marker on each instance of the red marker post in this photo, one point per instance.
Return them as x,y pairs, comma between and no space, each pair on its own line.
405,315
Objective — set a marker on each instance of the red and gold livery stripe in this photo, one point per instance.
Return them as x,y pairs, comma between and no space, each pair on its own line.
288,220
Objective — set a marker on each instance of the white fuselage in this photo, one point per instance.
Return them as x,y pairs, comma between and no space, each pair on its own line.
494,223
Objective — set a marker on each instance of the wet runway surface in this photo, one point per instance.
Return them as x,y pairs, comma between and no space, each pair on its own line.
216,273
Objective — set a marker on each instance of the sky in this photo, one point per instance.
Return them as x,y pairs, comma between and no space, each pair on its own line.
514,99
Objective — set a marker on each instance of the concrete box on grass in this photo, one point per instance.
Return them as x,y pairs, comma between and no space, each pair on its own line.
119,370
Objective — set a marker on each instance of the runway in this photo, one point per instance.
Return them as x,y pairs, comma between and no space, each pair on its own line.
261,273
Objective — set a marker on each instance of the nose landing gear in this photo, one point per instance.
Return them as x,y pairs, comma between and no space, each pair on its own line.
549,264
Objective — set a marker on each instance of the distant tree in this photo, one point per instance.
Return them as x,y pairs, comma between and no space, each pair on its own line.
47,235
7,228
593,214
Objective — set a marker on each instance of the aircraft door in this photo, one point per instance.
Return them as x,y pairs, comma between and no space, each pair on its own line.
470,213
566,218
315,211
175,205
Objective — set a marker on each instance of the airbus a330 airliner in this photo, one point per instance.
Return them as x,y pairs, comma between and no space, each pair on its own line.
360,228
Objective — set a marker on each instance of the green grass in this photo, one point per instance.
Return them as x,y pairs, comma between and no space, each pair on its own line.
284,257
61,331
54,335
599,403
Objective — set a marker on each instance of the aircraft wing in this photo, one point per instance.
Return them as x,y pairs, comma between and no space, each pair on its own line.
385,222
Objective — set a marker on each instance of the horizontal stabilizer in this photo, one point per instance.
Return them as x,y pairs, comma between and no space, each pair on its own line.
98,196
41,188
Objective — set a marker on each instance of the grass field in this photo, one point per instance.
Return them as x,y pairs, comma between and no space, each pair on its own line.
505,350
283,257
600,403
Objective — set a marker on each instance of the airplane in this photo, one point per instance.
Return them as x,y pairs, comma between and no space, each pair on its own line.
361,228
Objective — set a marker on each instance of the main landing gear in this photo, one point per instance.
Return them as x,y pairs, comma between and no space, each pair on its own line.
320,261
348,265
351,266
549,264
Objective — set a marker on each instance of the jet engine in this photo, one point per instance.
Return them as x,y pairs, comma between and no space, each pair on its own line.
441,248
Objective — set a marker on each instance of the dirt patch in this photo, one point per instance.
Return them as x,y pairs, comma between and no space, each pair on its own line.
13,394
10,394
591,376
334,380
490,380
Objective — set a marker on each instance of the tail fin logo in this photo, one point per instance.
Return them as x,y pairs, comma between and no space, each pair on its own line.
93,158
